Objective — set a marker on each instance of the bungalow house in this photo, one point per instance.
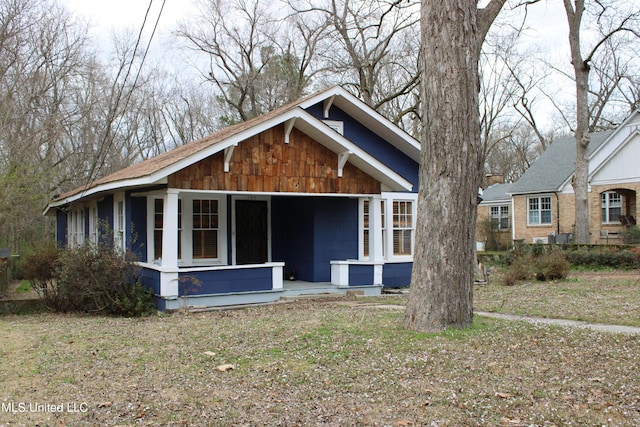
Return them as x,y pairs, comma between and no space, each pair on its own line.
543,202
322,190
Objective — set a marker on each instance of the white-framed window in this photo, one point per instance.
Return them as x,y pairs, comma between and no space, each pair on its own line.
499,217
94,224
611,204
75,227
539,210
119,240
403,225
205,229
366,227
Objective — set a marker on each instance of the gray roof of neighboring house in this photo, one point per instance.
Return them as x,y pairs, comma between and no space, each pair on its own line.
555,165
496,193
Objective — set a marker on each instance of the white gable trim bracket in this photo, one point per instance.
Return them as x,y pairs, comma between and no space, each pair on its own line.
288,127
342,160
228,152
327,105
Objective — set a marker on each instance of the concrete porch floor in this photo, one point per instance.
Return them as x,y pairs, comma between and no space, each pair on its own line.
293,288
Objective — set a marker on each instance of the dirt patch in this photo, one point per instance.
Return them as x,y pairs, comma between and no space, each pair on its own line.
12,294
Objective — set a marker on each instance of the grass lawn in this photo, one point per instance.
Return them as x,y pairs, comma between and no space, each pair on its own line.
340,363
605,297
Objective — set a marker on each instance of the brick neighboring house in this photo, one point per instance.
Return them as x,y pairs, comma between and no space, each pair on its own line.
543,202
493,231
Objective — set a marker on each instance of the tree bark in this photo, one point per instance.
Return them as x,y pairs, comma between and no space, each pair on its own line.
441,292
574,10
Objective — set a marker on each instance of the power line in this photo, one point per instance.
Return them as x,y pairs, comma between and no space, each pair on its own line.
107,141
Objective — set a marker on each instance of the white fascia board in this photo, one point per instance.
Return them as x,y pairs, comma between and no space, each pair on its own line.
392,133
358,157
633,134
109,186
615,133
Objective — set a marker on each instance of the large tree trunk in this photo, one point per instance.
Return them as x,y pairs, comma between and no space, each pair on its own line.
441,292
581,69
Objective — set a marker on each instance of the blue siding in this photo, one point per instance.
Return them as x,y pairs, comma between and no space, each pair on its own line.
150,279
61,228
224,281
105,211
292,234
137,226
336,234
360,275
372,143
308,233
397,275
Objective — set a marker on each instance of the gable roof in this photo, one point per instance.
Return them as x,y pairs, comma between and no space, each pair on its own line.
555,166
156,169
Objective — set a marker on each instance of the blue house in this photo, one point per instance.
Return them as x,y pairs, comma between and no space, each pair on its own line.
322,190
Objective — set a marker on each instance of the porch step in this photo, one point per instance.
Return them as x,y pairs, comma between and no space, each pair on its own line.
333,295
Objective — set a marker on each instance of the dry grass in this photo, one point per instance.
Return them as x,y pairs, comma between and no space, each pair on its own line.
312,363
612,298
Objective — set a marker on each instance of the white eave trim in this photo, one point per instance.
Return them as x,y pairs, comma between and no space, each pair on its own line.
298,118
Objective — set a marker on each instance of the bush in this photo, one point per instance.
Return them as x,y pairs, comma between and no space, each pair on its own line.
40,267
549,266
92,279
631,236
606,257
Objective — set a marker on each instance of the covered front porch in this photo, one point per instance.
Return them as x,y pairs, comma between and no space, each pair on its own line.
190,288
210,249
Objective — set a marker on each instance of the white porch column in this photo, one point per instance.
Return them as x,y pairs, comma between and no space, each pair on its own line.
170,230
375,238
375,229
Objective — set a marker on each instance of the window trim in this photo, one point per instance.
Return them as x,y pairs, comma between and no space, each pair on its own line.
412,228
119,229
501,216
539,223
607,208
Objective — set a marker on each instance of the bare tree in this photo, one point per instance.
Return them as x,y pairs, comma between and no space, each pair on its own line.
256,61
373,47
612,20
441,284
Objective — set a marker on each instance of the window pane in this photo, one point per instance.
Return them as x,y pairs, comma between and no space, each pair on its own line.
546,217
534,217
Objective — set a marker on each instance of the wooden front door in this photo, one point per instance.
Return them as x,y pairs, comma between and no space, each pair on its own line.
251,232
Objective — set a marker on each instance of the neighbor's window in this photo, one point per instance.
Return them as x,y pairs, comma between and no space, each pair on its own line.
402,227
205,229
611,207
539,210
499,217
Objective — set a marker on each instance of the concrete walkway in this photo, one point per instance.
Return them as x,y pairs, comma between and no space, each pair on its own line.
616,329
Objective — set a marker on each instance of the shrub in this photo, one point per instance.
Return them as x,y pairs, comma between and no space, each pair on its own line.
631,236
40,267
606,257
91,279
518,269
551,267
